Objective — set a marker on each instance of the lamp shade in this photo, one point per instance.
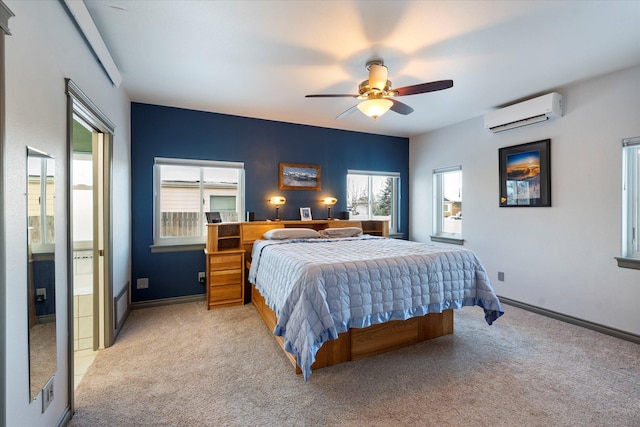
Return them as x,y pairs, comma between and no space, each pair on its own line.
374,108
277,200
329,201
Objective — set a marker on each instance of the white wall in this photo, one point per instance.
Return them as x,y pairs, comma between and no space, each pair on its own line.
559,258
43,50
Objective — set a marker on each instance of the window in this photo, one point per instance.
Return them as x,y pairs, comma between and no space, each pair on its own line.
631,202
82,199
447,205
373,195
186,189
40,190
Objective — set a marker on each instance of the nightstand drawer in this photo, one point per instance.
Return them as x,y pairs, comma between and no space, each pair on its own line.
226,292
225,277
225,261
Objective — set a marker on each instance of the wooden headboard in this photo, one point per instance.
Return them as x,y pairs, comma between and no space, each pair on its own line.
252,231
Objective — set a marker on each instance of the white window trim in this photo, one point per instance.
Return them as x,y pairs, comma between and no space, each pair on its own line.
164,244
630,200
438,207
198,163
395,201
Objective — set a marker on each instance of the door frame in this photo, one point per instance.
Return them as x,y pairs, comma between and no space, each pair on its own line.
5,14
79,104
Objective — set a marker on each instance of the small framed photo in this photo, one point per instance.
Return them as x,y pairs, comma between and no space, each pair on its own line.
305,214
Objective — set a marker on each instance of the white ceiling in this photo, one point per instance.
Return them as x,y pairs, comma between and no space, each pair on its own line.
260,58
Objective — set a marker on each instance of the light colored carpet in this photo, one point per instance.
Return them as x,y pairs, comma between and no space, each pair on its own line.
42,355
182,365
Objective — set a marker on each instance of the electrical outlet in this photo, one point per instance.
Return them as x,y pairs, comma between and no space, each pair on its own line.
201,277
142,283
47,394
500,276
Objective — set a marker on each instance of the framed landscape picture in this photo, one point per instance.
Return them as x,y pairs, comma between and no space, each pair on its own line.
295,176
525,175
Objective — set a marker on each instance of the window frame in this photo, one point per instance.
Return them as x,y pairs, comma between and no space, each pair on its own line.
630,204
394,222
190,242
438,235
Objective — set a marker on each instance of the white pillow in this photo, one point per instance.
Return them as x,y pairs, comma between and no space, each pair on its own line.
339,232
291,233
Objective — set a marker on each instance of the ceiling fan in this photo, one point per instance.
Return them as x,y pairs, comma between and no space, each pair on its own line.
377,94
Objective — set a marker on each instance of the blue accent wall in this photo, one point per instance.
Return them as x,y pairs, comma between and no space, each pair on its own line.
158,131
44,277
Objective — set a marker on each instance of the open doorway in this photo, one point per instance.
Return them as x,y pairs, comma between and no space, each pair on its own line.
88,277
90,288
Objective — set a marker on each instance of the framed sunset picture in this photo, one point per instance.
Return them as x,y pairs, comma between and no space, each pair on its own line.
525,175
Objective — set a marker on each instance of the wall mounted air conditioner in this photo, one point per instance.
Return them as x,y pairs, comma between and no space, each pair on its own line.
524,113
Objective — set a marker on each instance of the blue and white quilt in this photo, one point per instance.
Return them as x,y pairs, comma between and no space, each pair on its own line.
319,288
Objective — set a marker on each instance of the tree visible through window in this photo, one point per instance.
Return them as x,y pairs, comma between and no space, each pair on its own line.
383,207
373,195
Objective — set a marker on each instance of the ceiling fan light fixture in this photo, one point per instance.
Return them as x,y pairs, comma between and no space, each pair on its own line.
374,93
377,76
374,108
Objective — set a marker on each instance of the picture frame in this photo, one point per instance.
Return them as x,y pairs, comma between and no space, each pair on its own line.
295,176
305,214
525,175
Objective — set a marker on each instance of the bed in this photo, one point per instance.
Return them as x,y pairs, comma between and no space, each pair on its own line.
331,299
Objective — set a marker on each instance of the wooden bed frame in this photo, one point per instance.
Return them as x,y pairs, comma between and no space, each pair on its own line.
356,343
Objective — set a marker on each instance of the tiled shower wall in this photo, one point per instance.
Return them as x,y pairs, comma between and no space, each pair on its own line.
83,300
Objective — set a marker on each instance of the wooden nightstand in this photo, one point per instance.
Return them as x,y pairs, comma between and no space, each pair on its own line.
225,265
375,227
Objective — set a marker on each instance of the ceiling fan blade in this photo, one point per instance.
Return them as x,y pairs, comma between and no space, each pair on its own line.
332,96
400,108
347,112
424,87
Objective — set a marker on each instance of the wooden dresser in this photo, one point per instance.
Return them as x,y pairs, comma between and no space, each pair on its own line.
225,265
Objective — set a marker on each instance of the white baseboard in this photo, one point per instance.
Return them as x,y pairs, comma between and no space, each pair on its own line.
574,320
65,417
168,301
121,308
